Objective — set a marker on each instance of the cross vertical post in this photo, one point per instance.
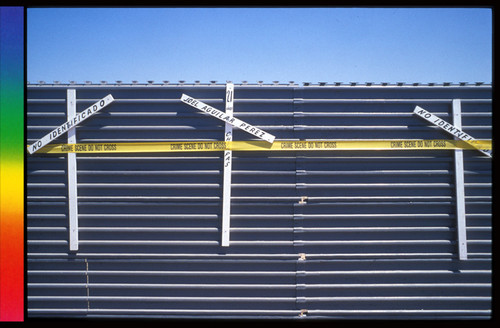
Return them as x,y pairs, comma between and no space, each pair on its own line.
72,176
459,185
226,193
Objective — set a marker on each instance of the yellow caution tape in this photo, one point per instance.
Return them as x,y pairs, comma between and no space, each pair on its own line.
278,145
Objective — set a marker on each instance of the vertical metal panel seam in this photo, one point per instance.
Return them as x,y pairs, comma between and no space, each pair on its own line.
300,288
297,212
87,285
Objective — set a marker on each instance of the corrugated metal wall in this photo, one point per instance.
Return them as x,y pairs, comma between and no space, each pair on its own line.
340,234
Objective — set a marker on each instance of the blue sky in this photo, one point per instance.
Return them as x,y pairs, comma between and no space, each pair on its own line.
260,44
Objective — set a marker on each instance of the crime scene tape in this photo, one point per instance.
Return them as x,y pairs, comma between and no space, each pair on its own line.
278,145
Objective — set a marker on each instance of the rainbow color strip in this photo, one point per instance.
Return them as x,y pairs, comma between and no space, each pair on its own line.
12,164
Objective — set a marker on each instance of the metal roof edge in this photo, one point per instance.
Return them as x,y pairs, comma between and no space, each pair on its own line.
151,83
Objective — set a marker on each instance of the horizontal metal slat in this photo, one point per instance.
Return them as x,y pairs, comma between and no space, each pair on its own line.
163,273
261,286
161,299
416,313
